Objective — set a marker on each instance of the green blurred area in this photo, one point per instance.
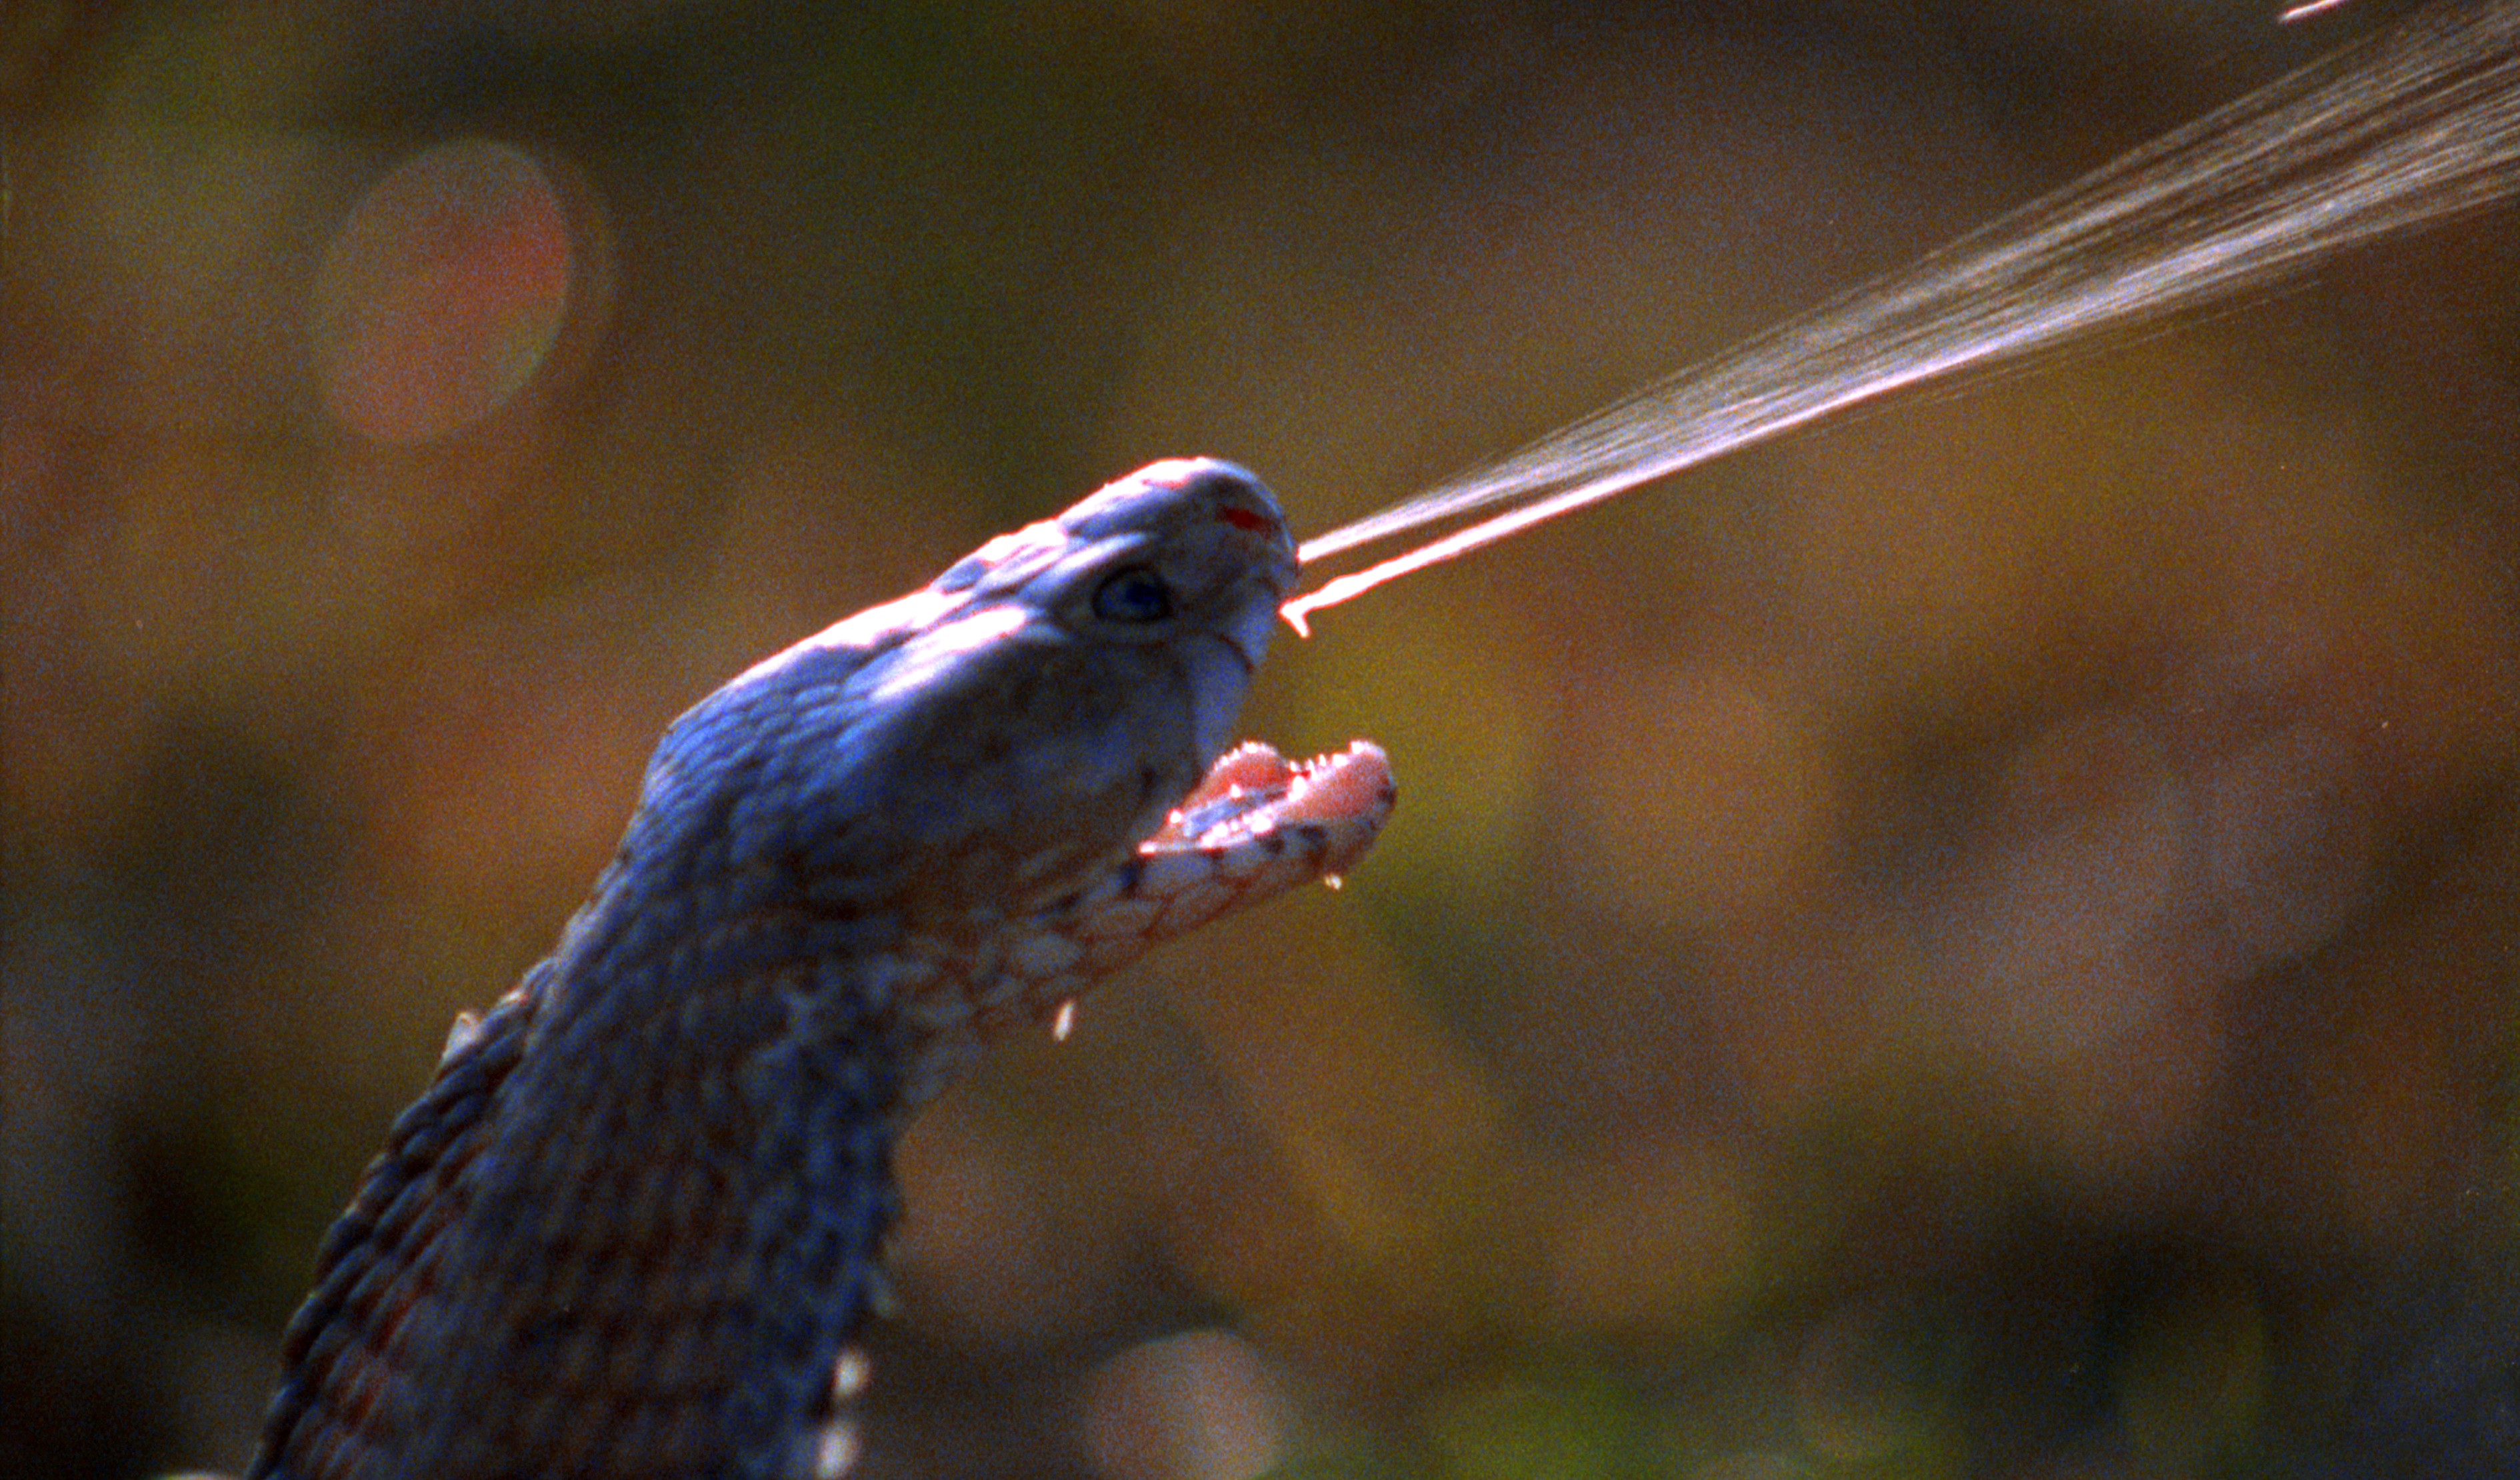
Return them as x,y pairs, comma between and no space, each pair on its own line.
1970,943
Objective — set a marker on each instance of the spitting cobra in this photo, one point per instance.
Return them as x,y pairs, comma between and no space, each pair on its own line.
633,1222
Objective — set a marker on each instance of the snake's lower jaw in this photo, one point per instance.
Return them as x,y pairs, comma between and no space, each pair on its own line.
1256,826
1258,812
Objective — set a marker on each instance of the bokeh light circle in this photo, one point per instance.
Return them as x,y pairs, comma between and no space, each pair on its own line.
446,290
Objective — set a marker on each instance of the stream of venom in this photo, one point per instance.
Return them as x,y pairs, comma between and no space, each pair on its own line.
2403,130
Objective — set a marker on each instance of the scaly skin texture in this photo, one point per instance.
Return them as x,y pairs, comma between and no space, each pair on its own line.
633,1221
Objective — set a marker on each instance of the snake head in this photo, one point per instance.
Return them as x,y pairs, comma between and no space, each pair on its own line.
999,737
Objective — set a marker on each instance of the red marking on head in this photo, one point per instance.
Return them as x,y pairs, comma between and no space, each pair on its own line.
1247,518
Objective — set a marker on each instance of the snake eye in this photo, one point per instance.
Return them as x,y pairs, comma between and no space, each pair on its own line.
1134,595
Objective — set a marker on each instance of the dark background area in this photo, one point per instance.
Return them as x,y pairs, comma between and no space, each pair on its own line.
1974,941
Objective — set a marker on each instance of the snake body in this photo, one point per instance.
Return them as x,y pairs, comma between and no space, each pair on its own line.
632,1223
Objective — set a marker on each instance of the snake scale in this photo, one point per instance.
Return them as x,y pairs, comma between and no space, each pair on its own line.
632,1224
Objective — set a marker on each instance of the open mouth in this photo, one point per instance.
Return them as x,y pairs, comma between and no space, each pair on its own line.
1257,814
1258,826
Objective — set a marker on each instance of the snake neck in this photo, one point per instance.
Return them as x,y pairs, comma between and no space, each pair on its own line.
628,1228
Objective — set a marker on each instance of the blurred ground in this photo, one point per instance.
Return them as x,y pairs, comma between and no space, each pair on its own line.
1971,943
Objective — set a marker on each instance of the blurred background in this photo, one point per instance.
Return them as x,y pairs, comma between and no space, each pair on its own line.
1974,941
